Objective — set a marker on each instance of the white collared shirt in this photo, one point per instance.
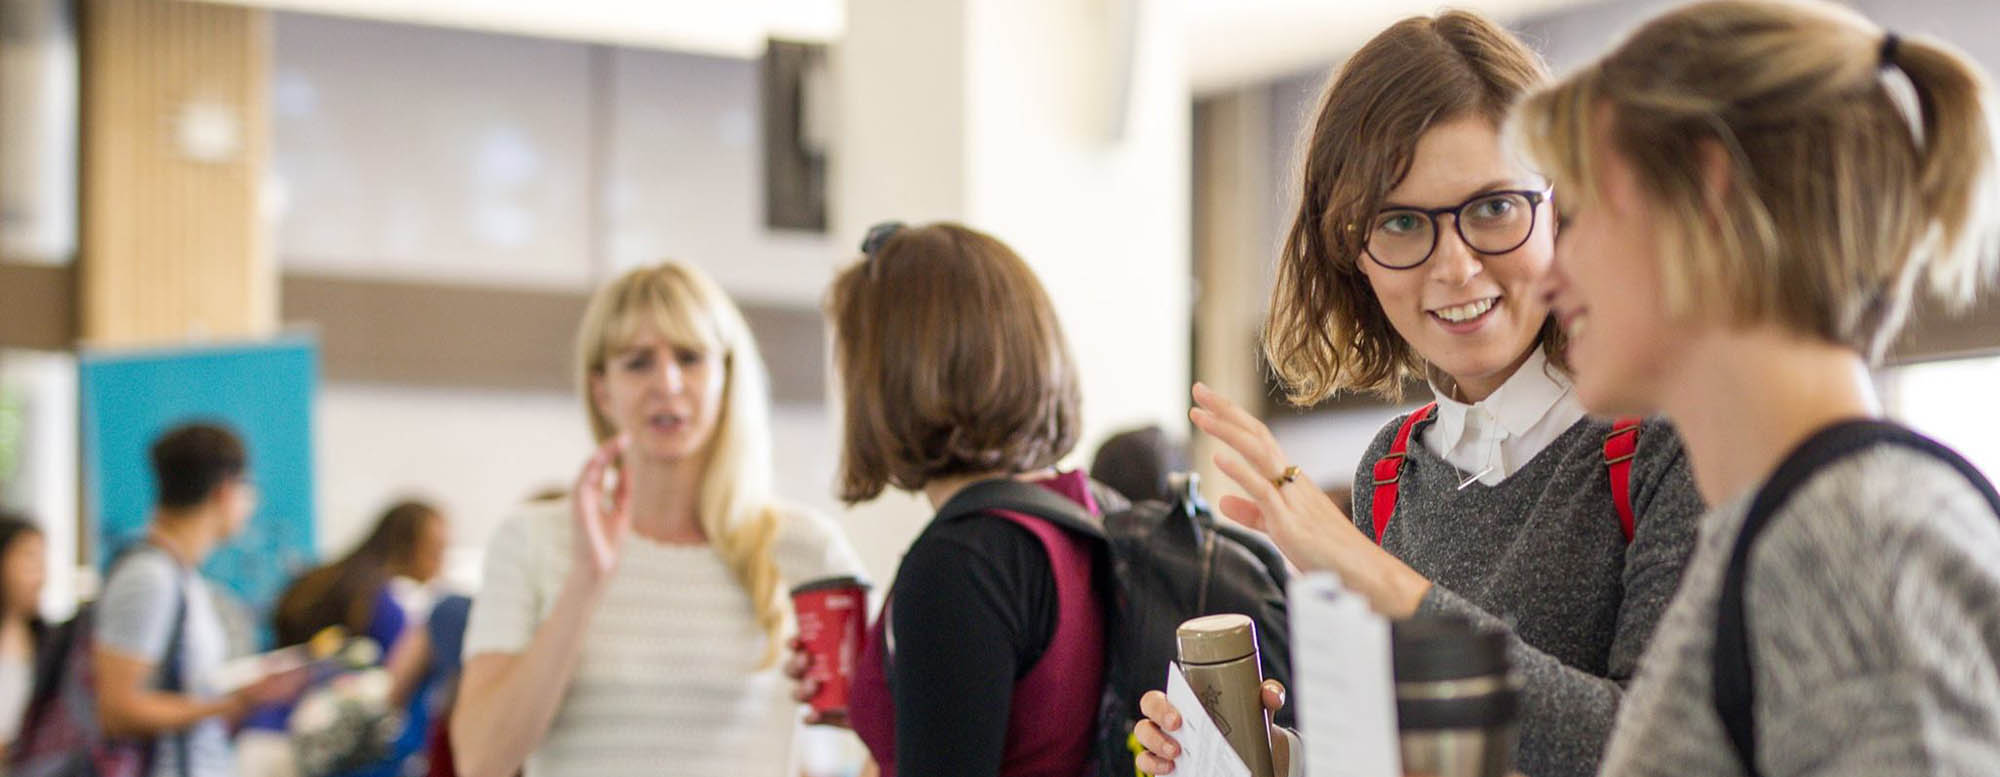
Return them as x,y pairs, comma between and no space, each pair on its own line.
1494,438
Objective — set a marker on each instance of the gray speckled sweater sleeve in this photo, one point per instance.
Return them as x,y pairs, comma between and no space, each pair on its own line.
1873,607
1573,673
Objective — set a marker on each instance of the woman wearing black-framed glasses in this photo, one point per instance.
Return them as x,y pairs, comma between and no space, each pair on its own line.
1419,250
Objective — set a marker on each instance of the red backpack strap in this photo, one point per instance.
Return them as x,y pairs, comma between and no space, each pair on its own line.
1389,470
1620,446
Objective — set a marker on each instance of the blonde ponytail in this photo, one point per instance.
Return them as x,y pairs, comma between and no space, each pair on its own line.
1957,181
1838,197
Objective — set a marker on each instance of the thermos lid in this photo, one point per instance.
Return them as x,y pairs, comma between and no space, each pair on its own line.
830,583
1439,648
1213,639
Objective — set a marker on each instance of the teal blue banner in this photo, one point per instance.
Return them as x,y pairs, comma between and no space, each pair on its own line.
263,391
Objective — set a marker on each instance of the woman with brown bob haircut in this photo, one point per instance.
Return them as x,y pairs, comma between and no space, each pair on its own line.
1418,250
988,657
1754,190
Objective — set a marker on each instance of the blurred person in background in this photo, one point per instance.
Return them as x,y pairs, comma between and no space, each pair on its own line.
1418,249
1138,462
447,632
23,568
156,605
635,627
370,591
374,592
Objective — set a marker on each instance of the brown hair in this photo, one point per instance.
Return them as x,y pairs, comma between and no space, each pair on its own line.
951,363
1326,331
1838,197
344,592
192,460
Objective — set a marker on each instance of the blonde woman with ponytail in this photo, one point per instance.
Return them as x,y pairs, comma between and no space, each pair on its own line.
1752,191
635,627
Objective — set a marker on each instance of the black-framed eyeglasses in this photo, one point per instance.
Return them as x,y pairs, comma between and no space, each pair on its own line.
1489,223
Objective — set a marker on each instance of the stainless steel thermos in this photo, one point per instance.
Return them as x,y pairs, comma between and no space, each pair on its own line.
1218,653
1457,698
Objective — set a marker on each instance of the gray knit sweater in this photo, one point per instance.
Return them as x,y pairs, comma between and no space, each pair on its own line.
1873,601
1542,556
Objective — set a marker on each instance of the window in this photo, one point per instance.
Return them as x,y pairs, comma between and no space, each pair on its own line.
1951,401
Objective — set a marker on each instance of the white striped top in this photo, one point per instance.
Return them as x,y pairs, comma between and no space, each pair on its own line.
668,683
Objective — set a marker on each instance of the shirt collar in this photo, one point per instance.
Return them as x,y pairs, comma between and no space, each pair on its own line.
1527,397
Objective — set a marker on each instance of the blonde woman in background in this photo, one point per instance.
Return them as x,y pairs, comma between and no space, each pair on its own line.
635,627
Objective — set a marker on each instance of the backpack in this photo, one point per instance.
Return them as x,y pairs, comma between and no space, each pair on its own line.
1621,446
1730,672
60,733
1163,564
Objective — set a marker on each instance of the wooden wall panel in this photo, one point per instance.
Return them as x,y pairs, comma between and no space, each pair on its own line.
173,244
37,306
465,336
1933,334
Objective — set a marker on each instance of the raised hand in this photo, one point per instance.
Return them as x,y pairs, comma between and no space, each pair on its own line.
601,519
1308,527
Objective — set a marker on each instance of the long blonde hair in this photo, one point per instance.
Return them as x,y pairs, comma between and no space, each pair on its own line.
737,510
1858,163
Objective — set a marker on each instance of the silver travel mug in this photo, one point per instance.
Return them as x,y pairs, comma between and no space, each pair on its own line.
1457,699
1218,653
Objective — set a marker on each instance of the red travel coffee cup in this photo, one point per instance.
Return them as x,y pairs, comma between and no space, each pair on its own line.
832,613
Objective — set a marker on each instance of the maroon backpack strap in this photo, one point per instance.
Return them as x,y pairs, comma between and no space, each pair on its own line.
1389,470
1620,447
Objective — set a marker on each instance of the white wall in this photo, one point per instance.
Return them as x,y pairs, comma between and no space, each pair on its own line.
38,132
44,485
1101,212
900,147
478,454
1951,401
423,153
685,179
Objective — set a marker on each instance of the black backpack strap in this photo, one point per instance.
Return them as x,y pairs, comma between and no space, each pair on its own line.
1732,678
176,666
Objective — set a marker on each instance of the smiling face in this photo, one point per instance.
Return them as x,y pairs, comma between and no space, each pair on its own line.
1605,289
1473,316
667,396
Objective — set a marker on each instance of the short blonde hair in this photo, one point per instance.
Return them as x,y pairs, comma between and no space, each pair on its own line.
1326,331
951,362
1835,204
739,514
